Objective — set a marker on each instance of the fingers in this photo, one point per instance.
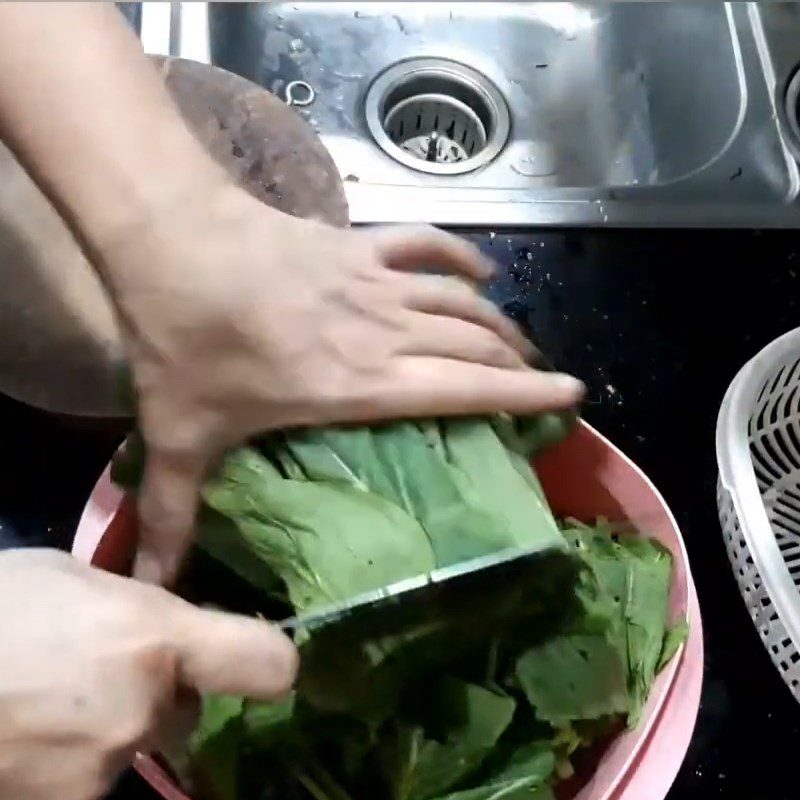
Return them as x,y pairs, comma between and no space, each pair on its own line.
445,297
228,654
450,338
167,508
430,249
436,386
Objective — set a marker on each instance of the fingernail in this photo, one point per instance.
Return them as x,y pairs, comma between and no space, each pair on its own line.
487,268
569,385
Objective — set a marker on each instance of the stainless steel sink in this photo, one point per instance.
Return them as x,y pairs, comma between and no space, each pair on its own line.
557,113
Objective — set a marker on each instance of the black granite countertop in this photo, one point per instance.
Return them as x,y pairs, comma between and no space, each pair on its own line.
657,323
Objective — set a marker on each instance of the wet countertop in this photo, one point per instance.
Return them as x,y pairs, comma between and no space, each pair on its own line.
657,323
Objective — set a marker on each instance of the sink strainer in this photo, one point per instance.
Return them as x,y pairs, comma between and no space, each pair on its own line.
436,128
437,116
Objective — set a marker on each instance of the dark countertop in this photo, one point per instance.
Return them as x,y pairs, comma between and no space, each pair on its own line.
657,323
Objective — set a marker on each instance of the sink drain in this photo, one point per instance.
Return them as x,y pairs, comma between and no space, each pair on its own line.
436,128
437,116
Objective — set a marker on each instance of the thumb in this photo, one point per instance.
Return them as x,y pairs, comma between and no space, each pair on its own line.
229,654
167,508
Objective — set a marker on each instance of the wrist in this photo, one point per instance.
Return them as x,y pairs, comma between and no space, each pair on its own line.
133,200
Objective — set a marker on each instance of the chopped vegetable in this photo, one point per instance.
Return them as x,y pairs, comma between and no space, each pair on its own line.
215,746
492,708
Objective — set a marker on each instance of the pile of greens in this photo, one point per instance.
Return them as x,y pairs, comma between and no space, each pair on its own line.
499,707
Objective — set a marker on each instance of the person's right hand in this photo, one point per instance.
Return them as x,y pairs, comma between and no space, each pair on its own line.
96,667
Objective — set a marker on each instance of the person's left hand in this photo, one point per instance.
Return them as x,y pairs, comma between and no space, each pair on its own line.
239,319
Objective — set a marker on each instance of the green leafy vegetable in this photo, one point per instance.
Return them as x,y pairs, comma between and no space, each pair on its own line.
646,615
521,774
574,676
215,747
674,639
268,724
635,574
514,789
455,479
463,723
326,542
488,700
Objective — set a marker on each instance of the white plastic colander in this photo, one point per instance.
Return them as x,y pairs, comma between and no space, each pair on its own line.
758,496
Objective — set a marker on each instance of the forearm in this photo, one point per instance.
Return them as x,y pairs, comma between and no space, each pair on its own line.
89,118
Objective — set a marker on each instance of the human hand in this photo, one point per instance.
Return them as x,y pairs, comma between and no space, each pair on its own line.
239,319
96,667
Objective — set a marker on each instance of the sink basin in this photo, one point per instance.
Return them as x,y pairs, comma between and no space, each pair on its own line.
597,93
520,112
